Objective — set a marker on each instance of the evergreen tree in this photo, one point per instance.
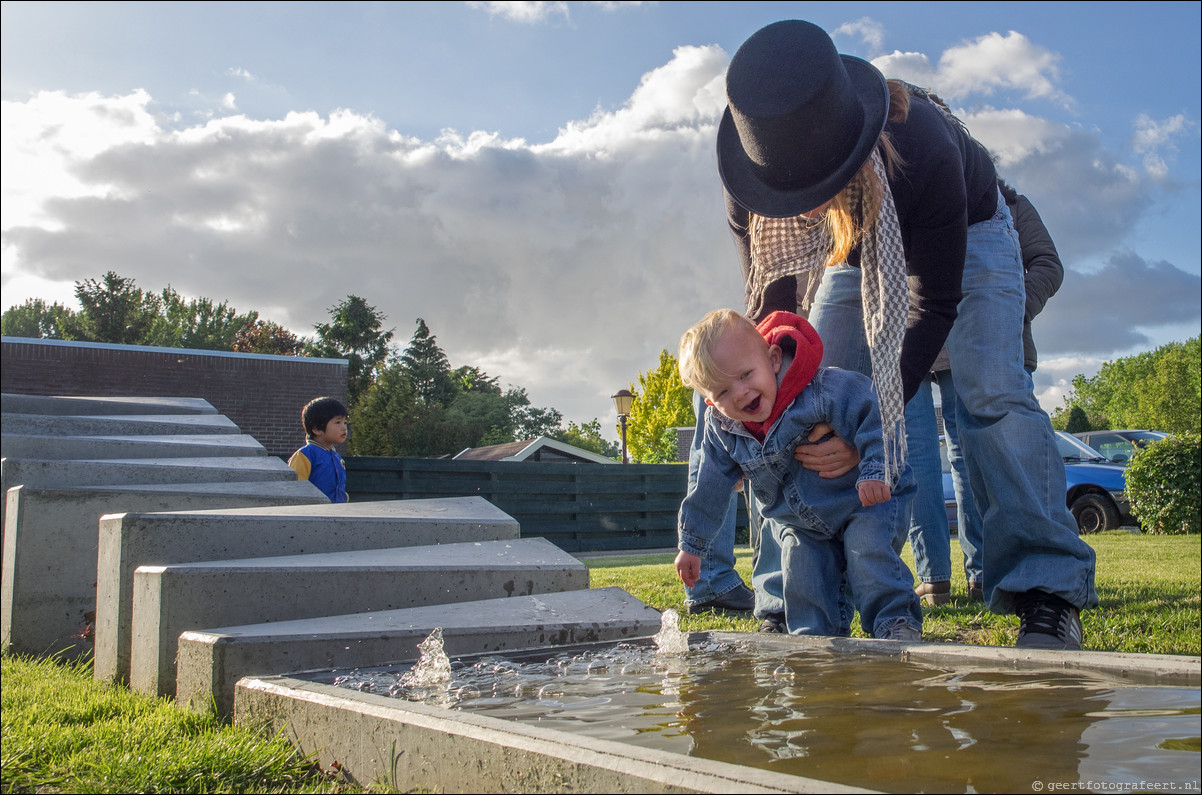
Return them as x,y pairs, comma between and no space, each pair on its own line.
355,333
428,368
114,310
1077,421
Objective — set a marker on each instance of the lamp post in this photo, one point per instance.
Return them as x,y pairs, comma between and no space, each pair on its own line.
623,399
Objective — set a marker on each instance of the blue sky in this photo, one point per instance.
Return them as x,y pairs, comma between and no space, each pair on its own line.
537,180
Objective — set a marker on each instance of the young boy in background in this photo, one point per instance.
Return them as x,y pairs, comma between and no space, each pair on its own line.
318,462
765,393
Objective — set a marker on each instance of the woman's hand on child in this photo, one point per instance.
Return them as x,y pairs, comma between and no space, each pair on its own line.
872,492
831,458
688,567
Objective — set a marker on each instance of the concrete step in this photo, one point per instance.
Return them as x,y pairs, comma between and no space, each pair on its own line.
210,662
58,448
50,549
137,471
12,403
169,600
144,539
121,425
129,471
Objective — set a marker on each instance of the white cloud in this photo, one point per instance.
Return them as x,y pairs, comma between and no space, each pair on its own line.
1151,136
984,66
866,29
523,11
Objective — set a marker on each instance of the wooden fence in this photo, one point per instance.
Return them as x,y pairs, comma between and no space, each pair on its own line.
577,507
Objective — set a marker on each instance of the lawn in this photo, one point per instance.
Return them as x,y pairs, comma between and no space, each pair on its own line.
1148,588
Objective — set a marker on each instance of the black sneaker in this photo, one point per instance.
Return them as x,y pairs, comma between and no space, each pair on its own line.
738,600
1047,622
772,627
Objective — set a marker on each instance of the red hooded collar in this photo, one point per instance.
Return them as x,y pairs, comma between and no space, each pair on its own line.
794,335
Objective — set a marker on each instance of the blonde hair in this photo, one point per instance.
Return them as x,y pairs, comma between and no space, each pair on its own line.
855,208
697,368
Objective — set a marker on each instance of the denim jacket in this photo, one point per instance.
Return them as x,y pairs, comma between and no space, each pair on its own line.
784,488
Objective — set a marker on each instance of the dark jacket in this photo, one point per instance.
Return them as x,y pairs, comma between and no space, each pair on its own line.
948,183
1043,271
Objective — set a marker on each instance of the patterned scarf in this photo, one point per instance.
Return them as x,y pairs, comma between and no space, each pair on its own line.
789,246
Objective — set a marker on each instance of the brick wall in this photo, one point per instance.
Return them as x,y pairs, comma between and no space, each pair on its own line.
261,394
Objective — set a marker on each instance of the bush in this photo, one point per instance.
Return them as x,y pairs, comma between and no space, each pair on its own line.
1164,480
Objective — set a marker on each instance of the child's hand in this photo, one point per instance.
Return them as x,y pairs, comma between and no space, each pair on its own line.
688,567
871,492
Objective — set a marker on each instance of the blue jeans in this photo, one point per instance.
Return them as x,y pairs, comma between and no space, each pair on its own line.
1029,539
815,592
929,533
718,575
930,536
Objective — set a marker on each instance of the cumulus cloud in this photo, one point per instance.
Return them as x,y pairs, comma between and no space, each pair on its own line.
986,65
866,30
563,268
1115,307
1152,136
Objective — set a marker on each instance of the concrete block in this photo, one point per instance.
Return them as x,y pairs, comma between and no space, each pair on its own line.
50,549
12,403
120,425
58,448
169,600
138,539
122,472
210,662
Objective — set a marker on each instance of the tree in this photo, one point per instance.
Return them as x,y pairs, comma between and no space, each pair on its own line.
588,437
196,323
1160,390
427,367
35,318
662,403
264,336
355,333
1077,421
114,310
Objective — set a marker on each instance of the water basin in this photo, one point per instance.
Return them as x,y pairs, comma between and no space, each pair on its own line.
887,722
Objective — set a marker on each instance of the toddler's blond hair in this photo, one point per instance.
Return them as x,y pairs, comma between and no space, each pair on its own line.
696,364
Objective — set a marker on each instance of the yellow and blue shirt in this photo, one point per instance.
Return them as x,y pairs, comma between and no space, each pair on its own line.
323,468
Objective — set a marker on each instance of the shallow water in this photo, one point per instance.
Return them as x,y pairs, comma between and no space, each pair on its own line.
865,721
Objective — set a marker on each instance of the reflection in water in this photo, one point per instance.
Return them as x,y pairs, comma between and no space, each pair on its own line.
866,721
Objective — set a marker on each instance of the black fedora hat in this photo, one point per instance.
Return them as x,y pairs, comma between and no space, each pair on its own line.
800,119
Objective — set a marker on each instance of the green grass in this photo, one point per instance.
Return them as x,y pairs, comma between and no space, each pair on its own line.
65,732
1148,588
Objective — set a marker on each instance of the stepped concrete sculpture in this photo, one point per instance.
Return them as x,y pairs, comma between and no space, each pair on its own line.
120,425
212,661
55,404
130,540
169,600
49,579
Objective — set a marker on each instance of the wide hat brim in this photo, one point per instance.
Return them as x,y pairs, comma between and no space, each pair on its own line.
750,191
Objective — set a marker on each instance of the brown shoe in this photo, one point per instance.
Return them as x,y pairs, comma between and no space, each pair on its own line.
935,593
976,592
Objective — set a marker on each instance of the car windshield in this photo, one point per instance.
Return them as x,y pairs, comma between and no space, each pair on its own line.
1142,438
1073,449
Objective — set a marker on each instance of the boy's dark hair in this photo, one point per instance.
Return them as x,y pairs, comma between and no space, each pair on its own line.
319,411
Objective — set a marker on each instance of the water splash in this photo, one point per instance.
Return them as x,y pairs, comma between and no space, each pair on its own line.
433,669
670,640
